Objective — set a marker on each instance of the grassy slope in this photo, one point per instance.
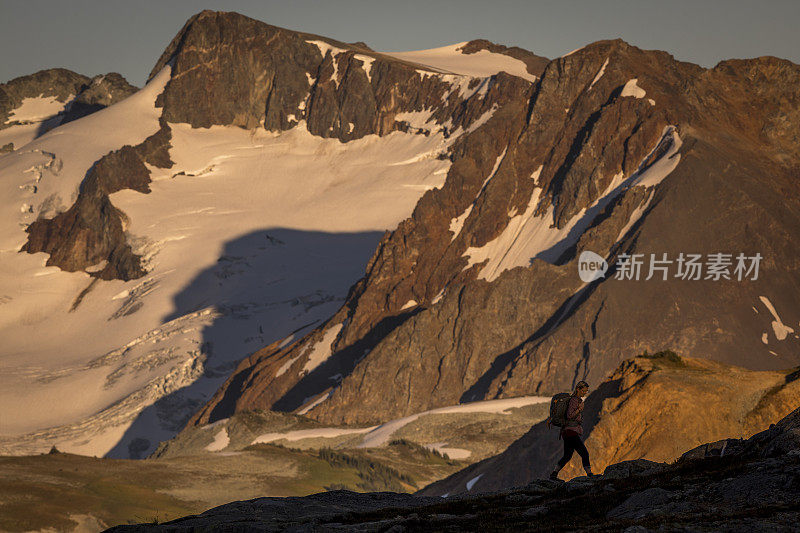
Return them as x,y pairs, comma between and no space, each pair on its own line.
39,492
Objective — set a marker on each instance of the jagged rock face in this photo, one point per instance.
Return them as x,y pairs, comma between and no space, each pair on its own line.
57,82
648,410
227,69
80,94
92,230
232,70
101,91
439,316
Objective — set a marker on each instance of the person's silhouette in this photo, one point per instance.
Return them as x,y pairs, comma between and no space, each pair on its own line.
571,431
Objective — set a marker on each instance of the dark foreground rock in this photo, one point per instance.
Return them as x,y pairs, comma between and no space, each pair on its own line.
752,485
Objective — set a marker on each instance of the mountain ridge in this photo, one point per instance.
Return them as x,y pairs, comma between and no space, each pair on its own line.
417,264
472,292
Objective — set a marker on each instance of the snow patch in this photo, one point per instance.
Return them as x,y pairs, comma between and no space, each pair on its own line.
780,329
322,350
471,482
367,61
37,109
415,119
631,89
536,174
636,215
456,224
315,433
316,402
221,441
451,59
599,74
97,267
285,366
409,304
380,435
324,49
452,453
494,170
526,236
438,297
474,125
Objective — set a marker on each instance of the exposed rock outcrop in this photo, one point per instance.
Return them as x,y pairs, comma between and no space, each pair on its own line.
227,69
79,94
59,83
100,92
92,230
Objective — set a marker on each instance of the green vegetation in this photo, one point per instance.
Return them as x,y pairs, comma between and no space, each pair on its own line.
61,491
51,490
58,490
375,476
430,454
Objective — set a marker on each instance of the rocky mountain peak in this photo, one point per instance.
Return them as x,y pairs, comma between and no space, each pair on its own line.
57,83
475,294
230,70
600,154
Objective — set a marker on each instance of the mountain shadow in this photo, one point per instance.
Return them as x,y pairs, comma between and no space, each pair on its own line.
267,285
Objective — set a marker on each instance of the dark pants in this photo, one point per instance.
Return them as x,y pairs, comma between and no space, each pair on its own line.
572,444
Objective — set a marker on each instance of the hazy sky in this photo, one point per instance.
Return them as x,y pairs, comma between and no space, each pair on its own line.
127,36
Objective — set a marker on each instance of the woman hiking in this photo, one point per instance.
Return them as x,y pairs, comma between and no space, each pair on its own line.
571,431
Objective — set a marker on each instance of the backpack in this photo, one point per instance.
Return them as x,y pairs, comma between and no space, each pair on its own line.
558,408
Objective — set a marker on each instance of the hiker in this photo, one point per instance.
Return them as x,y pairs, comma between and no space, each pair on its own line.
571,430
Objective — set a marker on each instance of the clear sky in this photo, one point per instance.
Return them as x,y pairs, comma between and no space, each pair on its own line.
127,36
